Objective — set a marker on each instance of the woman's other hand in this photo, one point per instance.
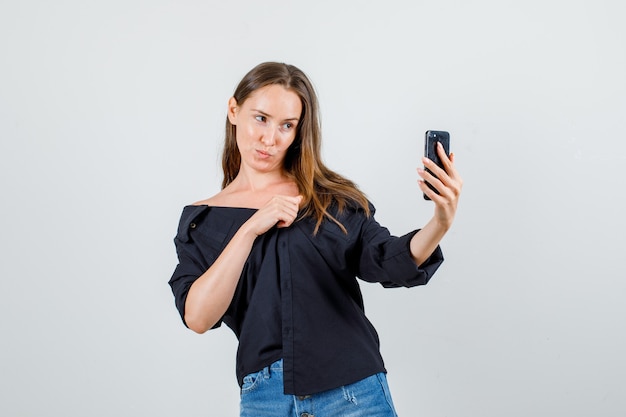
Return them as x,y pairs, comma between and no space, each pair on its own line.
447,182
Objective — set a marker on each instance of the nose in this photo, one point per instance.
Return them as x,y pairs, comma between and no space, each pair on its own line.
269,136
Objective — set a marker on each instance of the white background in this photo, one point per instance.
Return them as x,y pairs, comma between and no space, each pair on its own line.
111,120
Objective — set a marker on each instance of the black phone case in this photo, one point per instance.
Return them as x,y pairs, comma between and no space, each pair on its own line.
430,150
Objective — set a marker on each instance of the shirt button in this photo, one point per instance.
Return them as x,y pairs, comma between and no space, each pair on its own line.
192,225
306,415
304,397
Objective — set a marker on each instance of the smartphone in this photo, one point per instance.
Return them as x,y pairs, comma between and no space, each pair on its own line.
430,150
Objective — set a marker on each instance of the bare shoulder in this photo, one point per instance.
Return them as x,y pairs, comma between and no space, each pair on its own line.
225,198
211,201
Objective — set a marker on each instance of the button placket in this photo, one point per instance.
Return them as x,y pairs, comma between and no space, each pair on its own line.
287,310
304,406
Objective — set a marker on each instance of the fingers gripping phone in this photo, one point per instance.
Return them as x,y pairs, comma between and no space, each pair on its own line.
430,151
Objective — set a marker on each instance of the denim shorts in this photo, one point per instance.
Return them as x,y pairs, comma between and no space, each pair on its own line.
262,396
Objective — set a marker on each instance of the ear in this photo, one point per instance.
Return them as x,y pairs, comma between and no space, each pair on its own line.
233,111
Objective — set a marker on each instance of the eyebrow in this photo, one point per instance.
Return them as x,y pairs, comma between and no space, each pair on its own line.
269,115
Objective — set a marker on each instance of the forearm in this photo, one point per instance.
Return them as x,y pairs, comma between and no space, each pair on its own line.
211,294
448,183
424,242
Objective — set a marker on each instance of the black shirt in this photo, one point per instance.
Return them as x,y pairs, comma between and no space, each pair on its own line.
298,298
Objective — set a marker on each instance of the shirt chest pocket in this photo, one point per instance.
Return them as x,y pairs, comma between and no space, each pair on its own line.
211,242
207,234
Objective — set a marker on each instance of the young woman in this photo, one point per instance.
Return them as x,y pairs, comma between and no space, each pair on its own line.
276,255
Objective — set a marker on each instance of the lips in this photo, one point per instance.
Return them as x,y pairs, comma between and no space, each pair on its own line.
263,154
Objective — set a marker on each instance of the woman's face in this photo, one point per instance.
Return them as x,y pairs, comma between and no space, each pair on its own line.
266,126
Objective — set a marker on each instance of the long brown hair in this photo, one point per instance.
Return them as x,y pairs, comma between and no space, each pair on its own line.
319,186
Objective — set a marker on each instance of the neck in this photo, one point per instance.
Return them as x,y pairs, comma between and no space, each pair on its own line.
258,181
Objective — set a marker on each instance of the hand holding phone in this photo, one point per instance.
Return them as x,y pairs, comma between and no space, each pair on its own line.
431,139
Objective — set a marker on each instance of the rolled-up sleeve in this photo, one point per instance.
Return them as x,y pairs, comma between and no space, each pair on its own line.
191,262
387,259
185,274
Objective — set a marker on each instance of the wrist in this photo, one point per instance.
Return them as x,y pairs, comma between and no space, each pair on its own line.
247,232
